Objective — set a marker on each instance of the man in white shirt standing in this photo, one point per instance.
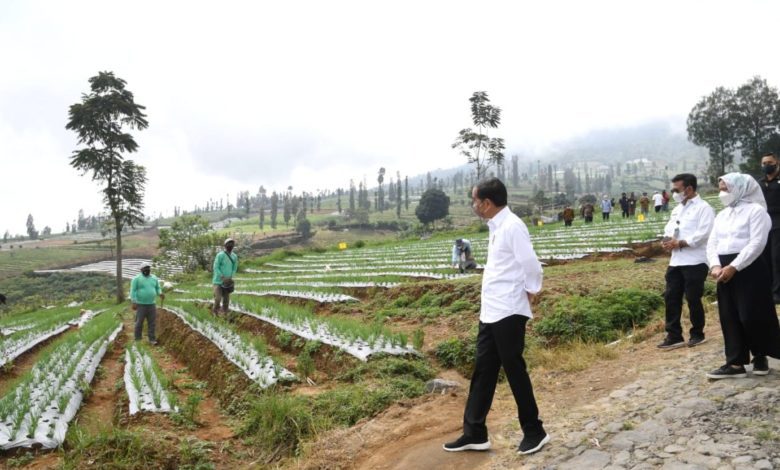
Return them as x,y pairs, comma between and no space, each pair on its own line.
685,236
512,276
658,202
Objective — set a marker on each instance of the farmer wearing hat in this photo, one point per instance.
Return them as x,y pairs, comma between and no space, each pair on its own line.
225,267
462,257
144,289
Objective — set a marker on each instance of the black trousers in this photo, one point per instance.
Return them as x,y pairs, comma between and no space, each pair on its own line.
501,344
625,213
605,216
747,313
567,223
688,281
771,257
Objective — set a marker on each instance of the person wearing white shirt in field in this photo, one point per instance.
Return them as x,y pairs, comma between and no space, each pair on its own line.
685,237
658,201
512,276
745,304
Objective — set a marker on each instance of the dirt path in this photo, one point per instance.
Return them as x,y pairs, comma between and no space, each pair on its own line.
645,409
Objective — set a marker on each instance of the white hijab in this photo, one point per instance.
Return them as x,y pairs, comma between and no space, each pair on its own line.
744,188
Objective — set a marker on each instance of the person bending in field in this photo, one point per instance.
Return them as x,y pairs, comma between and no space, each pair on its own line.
2,299
462,256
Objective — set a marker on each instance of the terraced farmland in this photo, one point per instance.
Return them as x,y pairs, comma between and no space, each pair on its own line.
305,339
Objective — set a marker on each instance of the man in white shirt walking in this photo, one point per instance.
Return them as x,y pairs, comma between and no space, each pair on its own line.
512,276
685,236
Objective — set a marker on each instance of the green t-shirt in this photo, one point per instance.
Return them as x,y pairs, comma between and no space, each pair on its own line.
224,265
144,289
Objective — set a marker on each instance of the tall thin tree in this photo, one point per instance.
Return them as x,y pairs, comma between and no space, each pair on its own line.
101,121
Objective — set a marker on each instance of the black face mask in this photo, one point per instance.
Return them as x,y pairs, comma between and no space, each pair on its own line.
769,169
146,273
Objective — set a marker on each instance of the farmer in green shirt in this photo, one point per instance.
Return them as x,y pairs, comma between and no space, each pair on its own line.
144,289
225,267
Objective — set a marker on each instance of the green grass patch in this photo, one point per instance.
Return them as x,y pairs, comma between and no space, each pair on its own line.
598,317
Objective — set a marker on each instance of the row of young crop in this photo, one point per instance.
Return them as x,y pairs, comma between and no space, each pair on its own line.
249,354
23,332
147,387
347,334
37,410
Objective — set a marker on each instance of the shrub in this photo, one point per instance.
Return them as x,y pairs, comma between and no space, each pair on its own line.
429,299
279,421
598,318
461,305
456,352
284,338
402,301
418,339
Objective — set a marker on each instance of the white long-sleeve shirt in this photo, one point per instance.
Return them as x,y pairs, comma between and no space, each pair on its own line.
743,229
512,271
694,219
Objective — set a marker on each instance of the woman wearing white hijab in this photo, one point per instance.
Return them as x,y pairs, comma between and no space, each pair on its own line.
747,311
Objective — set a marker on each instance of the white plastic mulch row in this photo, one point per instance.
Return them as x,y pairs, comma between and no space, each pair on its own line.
260,369
8,331
345,284
428,275
12,348
52,423
339,266
316,296
318,331
86,315
130,268
144,390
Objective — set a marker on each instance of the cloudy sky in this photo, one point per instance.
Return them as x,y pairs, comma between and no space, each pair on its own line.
311,94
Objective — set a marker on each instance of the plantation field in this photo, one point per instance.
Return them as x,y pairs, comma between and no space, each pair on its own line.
53,254
316,341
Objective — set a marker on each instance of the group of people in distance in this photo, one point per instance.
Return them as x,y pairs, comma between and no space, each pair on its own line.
627,202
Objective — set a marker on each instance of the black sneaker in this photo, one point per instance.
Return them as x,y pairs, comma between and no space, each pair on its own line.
693,342
728,372
467,443
531,444
670,343
760,365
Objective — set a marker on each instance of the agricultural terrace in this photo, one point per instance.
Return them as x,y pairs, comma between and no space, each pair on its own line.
316,342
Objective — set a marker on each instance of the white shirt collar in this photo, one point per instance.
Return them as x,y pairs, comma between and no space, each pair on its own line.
499,218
